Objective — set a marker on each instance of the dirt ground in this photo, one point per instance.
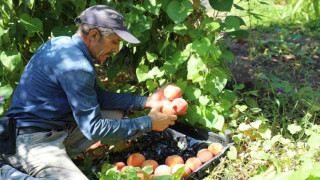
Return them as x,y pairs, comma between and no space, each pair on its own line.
287,67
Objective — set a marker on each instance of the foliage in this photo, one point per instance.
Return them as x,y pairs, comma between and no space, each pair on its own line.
180,44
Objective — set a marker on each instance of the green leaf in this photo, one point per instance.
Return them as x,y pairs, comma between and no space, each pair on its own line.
32,24
151,85
192,93
143,73
61,31
11,60
241,108
193,114
6,91
151,57
314,140
164,177
219,123
179,11
227,55
201,47
195,65
156,73
216,81
293,128
153,6
232,153
232,23
204,100
221,5
1,31
238,34
144,23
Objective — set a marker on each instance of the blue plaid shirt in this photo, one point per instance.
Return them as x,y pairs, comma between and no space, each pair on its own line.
59,85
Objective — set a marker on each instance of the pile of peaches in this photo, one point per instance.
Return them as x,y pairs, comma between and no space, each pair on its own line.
172,163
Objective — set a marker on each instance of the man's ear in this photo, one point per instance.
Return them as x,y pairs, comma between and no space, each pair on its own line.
94,35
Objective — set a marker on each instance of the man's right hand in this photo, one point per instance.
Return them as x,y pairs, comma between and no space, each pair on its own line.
161,121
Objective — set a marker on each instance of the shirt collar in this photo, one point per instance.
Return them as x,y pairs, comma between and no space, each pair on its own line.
79,42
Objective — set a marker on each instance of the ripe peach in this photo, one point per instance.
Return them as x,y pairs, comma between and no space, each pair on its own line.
174,160
119,165
162,170
124,168
140,175
150,162
204,155
193,163
215,148
179,105
172,92
187,170
136,160
167,109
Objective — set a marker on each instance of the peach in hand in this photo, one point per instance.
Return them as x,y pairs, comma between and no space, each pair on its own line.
172,92
179,105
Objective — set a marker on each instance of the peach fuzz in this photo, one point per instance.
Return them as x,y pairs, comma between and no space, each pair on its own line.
179,105
204,155
174,160
150,162
162,170
193,163
172,92
135,160
119,165
215,148
187,170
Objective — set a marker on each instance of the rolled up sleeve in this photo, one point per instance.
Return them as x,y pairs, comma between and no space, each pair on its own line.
82,96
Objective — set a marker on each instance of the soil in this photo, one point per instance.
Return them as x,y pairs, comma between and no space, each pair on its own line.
287,67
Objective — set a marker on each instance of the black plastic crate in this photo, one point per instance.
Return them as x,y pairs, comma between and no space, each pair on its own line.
158,147
208,137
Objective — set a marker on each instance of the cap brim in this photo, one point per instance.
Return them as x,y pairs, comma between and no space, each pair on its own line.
127,36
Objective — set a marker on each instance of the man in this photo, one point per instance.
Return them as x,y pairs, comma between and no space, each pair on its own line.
58,104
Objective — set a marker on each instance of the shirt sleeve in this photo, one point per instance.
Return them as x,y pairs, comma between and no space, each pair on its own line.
124,101
79,87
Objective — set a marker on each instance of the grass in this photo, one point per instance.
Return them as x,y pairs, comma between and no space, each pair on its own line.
277,135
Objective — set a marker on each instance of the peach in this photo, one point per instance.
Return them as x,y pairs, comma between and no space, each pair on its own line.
179,105
162,170
136,160
172,92
119,165
215,148
150,162
174,160
167,109
193,163
124,168
187,170
140,175
204,155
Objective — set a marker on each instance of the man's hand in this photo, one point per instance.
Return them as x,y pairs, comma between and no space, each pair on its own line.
157,98
161,121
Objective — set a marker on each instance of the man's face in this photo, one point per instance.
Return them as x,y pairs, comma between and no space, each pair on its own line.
104,47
